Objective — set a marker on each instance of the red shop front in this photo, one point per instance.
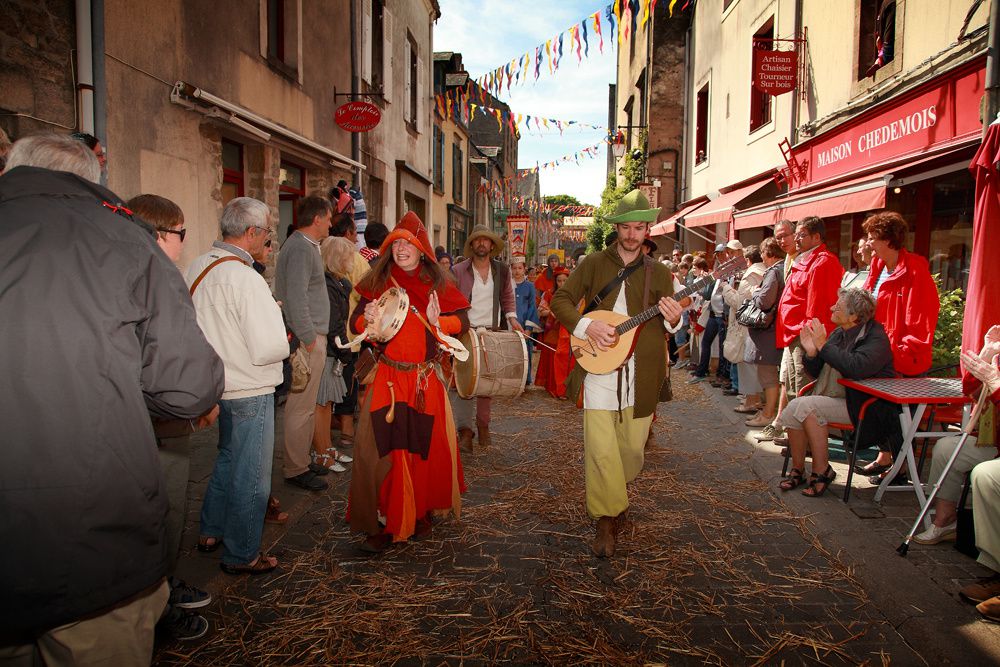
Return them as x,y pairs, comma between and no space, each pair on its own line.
909,154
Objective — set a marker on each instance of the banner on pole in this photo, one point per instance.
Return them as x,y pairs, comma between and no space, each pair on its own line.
517,234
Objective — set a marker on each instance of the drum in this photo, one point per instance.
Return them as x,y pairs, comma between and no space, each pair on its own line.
497,364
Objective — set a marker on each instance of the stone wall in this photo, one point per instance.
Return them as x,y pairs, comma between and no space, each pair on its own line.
666,105
37,40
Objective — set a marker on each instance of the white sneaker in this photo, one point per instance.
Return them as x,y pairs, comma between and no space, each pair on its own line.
344,458
937,534
336,467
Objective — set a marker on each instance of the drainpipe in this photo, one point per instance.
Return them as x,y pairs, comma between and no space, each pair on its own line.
681,166
355,89
793,133
84,68
100,79
992,67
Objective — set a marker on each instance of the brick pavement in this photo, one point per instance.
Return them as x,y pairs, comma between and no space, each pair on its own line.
715,566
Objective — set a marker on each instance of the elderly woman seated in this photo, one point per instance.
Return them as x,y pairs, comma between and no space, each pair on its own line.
857,349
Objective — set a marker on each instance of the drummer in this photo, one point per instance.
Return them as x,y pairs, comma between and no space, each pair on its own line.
406,462
486,282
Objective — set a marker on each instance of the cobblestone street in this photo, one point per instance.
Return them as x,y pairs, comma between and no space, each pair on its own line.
712,566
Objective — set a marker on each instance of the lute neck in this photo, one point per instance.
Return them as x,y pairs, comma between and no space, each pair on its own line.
653,311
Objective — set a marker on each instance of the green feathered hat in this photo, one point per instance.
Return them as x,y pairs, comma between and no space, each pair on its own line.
634,207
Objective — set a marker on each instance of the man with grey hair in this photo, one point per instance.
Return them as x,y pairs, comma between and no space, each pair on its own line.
100,335
55,152
300,285
243,323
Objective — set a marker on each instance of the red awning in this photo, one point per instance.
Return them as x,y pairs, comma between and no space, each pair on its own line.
670,224
721,208
861,194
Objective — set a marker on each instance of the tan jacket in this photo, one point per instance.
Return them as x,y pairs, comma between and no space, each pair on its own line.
594,272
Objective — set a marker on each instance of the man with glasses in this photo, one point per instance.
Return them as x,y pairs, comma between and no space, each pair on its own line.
810,292
243,323
300,285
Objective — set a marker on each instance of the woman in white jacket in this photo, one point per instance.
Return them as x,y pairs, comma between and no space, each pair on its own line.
737,334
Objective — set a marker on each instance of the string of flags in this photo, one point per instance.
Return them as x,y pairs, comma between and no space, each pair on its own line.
589,151
625,16
446,104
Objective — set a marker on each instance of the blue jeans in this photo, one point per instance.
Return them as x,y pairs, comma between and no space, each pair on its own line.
716,327
734,375
236,498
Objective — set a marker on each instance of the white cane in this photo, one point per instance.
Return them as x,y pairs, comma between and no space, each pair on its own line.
966,432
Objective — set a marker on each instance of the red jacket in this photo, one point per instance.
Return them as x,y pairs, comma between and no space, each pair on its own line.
907,306
810,291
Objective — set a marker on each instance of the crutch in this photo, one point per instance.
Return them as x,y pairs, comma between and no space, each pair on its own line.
970,425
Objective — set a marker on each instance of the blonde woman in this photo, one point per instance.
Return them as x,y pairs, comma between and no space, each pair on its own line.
338,260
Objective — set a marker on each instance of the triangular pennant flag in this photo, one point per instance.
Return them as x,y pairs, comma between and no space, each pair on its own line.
597,29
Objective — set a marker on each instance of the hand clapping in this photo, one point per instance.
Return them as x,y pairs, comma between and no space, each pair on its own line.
984,371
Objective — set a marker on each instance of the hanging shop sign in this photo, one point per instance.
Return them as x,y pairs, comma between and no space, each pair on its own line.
517,233
775,72
357,116
651,192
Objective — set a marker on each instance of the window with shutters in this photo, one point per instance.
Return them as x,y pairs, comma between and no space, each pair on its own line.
438,160
457,175
413,83
376,38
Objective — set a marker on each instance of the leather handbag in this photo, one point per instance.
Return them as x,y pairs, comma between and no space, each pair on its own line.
752,317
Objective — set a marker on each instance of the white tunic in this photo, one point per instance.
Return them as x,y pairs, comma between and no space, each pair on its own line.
481,312
600,392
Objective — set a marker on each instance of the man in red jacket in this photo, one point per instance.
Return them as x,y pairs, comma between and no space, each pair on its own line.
810,291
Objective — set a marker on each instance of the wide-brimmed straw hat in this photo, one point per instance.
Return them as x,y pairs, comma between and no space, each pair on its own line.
634,207
480,231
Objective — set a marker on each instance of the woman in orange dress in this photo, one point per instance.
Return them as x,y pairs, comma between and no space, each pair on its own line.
406,461
554,367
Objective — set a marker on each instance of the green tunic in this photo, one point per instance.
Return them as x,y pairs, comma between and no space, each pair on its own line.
594,272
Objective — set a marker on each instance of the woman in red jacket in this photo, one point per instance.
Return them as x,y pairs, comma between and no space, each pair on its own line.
907,303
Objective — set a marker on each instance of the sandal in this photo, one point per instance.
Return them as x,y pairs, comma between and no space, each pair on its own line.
823,479
260,565
207,545
274,513
794,480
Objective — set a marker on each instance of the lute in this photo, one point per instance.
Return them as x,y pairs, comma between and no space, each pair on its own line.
595,360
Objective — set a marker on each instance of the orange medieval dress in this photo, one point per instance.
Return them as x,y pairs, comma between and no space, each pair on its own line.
408,466
554,367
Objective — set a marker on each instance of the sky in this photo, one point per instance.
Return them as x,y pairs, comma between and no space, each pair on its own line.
490,33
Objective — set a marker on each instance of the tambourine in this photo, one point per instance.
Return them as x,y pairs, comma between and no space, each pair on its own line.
391,310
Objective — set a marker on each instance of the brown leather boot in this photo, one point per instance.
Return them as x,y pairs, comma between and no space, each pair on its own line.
484,434
465,439
604,543
650,439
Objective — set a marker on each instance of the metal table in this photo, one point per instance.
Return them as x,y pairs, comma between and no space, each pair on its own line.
917,392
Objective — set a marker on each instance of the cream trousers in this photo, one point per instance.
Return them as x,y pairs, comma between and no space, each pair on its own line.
613,457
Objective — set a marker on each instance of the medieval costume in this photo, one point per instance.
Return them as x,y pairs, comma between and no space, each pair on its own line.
406,462
554,367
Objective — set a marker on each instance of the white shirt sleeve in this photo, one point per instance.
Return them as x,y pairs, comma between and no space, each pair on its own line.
581,328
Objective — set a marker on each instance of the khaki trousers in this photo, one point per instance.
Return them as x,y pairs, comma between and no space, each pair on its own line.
300,415
986,504
122,637
613,457
968,458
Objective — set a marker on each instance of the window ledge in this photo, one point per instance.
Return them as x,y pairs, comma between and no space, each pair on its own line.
284,69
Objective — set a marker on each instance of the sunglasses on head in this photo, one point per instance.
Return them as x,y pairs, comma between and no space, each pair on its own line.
182,232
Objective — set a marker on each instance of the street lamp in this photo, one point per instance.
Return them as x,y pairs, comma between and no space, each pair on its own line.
618,146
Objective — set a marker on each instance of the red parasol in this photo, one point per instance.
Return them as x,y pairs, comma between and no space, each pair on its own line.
981,310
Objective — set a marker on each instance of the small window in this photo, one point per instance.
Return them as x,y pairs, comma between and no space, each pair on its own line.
457,180
760,103
283,35
701,126
232,171
876,36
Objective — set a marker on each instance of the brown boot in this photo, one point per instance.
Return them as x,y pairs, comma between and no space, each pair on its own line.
484,434
465,439
604,542
650,439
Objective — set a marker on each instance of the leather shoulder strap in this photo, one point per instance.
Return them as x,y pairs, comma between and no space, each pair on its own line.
201,276
615,282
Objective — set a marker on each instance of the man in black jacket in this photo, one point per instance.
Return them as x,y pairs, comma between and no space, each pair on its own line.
99,334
